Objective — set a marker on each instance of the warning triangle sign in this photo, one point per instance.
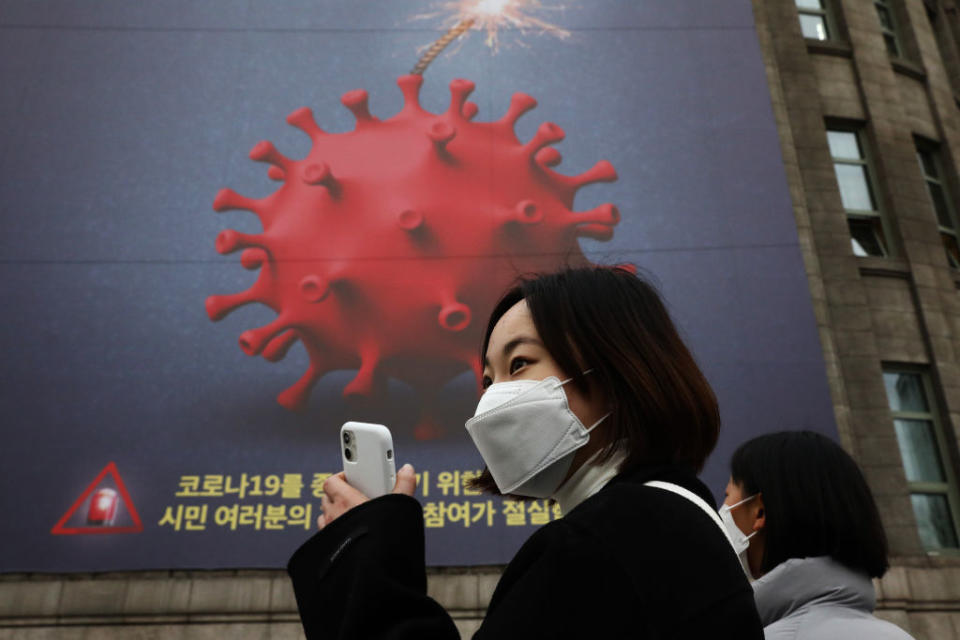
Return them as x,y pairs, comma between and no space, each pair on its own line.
102,509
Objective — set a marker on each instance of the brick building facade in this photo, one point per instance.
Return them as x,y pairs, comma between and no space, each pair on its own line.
865,98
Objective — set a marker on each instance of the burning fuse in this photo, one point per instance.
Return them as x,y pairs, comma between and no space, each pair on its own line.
103,508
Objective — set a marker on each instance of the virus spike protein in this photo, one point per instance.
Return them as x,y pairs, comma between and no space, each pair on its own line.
384,248
410,87
302,119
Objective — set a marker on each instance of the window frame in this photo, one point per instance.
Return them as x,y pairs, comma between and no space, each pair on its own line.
892,31
945,36
932,150
948,488
866,161
825,13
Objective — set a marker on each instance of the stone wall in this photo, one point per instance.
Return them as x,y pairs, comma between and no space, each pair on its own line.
871,311
259,605
196,605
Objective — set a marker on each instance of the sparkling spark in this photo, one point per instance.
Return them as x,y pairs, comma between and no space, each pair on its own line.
489,16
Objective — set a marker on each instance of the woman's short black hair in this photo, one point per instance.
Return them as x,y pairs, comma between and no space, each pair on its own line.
610,320
815,498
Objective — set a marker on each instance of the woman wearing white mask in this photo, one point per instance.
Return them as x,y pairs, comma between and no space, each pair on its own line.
805,523
593,400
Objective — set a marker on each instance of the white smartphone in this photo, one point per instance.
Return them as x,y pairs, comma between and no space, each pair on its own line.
367,452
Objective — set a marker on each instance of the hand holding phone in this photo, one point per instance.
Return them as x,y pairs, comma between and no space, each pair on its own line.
368,471
368,460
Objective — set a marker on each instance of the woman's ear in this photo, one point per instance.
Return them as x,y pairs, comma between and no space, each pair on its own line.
759,514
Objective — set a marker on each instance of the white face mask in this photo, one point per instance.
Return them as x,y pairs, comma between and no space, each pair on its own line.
739,540
527,435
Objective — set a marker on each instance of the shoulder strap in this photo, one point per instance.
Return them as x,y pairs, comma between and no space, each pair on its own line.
695,499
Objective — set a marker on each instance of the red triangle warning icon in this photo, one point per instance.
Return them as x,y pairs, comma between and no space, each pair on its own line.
102,508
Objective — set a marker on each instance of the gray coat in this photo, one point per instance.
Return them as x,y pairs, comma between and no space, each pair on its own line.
819,599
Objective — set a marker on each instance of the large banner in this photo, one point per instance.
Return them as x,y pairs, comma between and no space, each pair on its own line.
229,227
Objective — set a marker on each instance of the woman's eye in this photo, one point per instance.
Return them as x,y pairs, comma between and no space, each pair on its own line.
518,363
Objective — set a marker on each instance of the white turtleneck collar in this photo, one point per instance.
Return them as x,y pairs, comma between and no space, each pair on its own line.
587,480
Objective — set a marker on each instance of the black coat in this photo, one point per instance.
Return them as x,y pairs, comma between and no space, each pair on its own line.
629,562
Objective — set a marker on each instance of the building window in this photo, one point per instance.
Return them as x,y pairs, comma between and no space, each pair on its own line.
856,191
929,477
888,26
814,21
940,199
942,32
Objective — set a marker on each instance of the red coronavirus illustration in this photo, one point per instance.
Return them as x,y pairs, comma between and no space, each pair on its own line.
385,248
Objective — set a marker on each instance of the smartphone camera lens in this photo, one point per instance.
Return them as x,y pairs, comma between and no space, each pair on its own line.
348,454
389,454
346,437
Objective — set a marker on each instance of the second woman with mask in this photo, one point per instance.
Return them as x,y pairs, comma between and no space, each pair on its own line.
592,399
805,523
